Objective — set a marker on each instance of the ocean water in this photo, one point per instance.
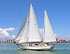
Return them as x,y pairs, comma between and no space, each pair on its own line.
13,49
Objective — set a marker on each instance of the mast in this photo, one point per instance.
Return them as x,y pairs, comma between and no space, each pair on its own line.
34,34
48,32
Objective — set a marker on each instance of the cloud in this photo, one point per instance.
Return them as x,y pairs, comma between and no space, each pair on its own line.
9,29
13,36
65,37
1,29
4,32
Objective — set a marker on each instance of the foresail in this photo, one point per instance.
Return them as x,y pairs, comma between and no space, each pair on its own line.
34,35
48,32
23,30
24,33
20,31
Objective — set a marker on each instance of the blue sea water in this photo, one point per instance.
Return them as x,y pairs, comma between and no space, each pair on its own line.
13,49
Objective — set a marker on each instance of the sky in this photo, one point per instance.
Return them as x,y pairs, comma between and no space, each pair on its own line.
12,14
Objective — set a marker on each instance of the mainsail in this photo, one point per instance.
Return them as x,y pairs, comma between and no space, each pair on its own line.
48,32
34,35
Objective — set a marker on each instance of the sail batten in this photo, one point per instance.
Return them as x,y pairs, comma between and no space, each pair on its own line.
48,32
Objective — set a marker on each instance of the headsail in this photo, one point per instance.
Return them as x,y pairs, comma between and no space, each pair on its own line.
48,32
20,30
22,34
34,34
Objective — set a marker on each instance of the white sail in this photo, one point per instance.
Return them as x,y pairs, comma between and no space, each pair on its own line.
34,34
22,34
19,33
48,32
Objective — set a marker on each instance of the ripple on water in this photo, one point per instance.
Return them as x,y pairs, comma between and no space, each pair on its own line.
13,49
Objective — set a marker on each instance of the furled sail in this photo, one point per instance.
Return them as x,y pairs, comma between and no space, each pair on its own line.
48,32
34,34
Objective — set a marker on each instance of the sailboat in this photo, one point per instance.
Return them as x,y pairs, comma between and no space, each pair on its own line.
29,37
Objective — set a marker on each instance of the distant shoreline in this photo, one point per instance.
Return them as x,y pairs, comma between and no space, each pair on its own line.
56,43
13,41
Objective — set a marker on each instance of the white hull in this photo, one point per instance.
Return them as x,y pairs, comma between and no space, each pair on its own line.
48,48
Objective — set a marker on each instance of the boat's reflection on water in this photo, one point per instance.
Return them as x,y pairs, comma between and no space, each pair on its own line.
34,52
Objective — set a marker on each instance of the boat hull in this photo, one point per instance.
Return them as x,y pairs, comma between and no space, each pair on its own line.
38,48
